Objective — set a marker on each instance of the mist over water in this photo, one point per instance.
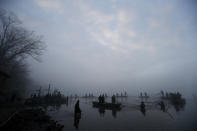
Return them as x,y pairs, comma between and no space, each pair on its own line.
124,47
96,47
112,46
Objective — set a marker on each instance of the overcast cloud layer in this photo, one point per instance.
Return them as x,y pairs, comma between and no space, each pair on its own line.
113,45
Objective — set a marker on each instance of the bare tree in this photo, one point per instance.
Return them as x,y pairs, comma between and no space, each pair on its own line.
17,43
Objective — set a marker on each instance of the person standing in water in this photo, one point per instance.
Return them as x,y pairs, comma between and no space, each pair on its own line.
162,105
77,108
143,108
77,115
113,99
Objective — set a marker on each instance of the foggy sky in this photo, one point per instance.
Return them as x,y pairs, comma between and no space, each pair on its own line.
112,45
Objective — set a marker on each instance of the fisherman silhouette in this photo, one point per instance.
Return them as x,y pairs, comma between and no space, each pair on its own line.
67,101
143,108
141,94
103,99
145,95
162,105
113,99
77,108
77,115
100,99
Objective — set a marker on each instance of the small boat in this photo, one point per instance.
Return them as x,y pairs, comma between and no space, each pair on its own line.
106,105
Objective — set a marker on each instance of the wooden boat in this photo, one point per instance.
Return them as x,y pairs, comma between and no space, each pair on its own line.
106,105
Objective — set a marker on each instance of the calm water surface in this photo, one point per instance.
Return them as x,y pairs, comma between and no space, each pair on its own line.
128,118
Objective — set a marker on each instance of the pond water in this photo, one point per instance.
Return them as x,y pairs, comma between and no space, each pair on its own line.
128,118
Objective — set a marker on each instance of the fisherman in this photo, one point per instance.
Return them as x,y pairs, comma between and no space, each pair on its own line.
143,108
34,96
142,105
77,115
125,93
178,95
99,99
145,94
77,108
141,94
113,99
66,99
162,93
102,99
167,95
162,105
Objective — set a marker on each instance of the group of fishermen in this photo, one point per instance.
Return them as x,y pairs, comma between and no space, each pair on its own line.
101,99
145,95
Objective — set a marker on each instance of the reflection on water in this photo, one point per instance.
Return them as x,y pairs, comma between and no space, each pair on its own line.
179,105
155,115
101,111
113,111
77,118
143,108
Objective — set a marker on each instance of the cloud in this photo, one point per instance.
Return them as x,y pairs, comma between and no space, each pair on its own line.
135,29
123,17
91,46
48,5
113,30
